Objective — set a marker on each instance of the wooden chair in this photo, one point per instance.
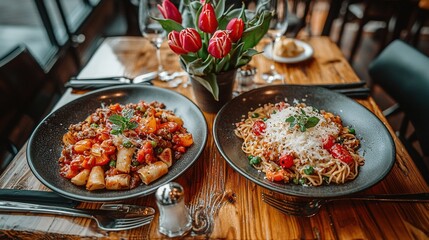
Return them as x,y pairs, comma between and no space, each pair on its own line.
297,19
402,72
26,95
363,12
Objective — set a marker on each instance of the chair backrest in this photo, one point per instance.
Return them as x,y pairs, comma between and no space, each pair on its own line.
22,80
403,72
21,77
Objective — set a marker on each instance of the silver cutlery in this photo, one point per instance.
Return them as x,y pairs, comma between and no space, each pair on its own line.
342,85
127,208
108,220
309,208
95,83
165,76
38,197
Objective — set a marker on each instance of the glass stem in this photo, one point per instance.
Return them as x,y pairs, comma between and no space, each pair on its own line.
272,67
158,57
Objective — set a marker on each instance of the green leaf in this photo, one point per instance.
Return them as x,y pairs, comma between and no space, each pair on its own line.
209,82
132,125
169,25
312,122
235,53
196,8
220,8
200,68
290,119
309,170
229,14
116,119
252,35
223,63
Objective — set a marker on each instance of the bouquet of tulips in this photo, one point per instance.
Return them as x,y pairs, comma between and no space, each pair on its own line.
212,38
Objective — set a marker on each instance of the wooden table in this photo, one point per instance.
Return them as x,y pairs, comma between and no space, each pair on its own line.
213,186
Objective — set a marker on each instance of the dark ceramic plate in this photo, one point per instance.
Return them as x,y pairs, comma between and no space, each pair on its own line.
376,143
44,147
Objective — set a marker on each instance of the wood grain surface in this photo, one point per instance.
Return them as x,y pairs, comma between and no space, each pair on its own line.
224,204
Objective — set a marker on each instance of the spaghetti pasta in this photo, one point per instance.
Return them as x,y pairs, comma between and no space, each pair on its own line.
299,144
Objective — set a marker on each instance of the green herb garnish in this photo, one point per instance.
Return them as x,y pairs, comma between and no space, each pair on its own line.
255,115
127,144
254,160
303,121
309,170
112,163
94,125
122,123
352,131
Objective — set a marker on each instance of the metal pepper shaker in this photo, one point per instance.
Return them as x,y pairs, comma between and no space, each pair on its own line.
174,217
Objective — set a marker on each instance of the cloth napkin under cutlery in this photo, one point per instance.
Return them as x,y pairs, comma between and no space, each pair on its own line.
96,83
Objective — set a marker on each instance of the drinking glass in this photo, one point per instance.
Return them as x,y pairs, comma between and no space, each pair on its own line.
152,30
277,28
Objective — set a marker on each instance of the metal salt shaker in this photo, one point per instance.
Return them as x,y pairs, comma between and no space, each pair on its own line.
174,217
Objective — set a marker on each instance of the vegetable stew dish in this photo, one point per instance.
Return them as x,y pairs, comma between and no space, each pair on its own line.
135,138
119,146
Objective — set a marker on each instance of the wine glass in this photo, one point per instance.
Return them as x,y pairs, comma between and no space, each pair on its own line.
153,31
277,28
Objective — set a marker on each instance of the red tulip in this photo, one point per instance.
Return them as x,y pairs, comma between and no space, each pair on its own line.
170,11
175,43
190,39
207,21
220,44
236,28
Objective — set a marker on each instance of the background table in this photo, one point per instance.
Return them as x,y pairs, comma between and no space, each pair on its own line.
214,189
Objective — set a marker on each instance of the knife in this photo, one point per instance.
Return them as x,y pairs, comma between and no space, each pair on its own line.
341,85
38,197
95,83
362,92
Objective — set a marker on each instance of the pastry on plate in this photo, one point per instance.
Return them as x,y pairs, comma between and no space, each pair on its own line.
287,47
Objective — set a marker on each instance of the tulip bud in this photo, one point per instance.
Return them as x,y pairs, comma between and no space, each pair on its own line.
220,44
190,39
236,28
175,43
170,11
207,21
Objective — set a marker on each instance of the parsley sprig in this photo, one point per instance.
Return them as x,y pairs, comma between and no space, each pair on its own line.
122,123
303,121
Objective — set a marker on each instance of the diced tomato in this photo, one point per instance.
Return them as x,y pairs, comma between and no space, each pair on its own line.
258,127
76,163
115,107
170,126
148,125
185,139
275,176
339,152
82,146
181,149
88,162
103,137
69,173
286,161
108,147
102,160
145,154
328,142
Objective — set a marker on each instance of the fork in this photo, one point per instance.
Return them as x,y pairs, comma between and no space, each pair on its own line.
310,208
107,220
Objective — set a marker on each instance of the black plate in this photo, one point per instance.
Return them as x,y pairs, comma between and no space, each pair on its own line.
44,147
377,144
